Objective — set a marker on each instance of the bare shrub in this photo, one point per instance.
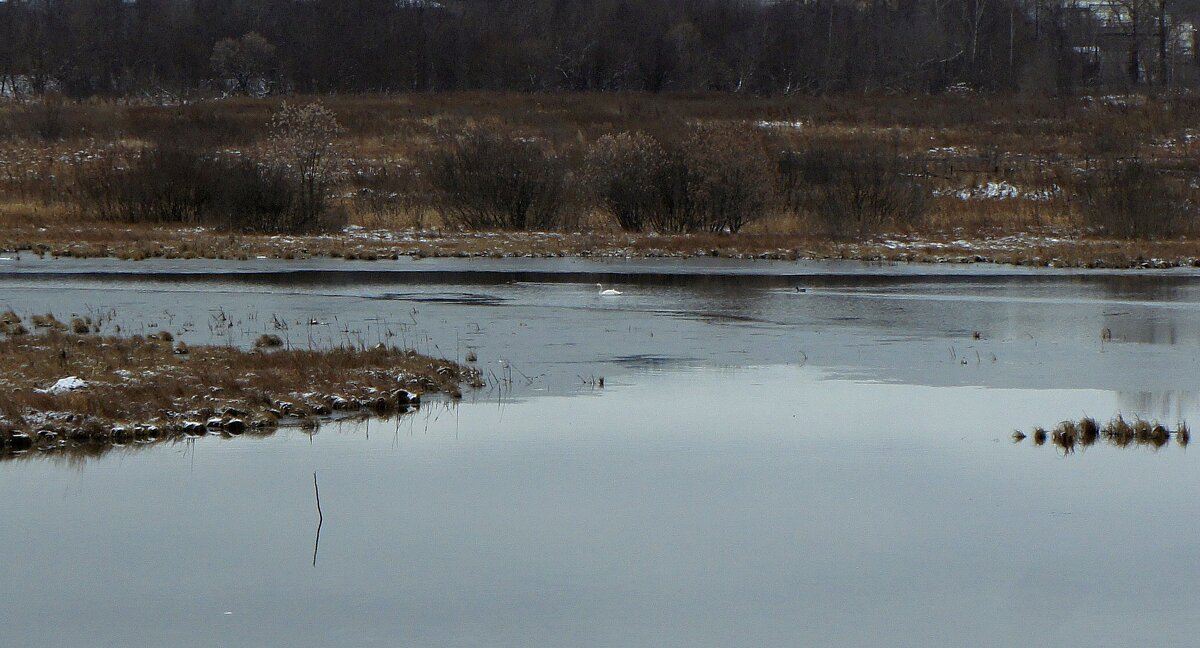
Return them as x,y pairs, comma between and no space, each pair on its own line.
288,191
644,183
713,179
488,180
303,148
390,195
853,194
158,185
729,177
243,60
47,118
1131,199
626,170
189,187
673,185
253,197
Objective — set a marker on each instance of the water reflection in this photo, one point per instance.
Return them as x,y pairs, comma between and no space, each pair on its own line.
1124,327
1135,287
76,453
691,507
1168,405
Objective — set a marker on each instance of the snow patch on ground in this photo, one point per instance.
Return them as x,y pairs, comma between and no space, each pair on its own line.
1012,242
65,385
998,191
781,125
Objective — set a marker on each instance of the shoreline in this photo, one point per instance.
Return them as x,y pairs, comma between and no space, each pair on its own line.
1040,248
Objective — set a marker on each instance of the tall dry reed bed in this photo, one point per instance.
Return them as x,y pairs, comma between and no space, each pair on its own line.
59,389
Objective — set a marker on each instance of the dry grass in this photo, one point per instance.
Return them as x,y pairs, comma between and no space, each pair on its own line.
1118,433
958,145
141,387
10,324
268,341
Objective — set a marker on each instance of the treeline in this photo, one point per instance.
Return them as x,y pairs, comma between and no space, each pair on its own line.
126,47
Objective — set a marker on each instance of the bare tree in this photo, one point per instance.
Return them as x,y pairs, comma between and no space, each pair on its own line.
244,59
1135,14
85,47
303,144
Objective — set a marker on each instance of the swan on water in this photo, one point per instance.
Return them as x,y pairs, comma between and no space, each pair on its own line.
608,293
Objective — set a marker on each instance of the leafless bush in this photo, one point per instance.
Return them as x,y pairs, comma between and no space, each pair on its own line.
47,118
852,194
303,149
1131,199
254,197
637,181
713,179
243,60
287,191
729,177
158,185
494,181
189,187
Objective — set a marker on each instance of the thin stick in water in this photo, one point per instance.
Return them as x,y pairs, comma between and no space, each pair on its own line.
320,519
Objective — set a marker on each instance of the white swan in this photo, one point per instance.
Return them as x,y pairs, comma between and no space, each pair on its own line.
608,293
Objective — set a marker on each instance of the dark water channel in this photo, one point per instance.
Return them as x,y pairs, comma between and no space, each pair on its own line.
764,466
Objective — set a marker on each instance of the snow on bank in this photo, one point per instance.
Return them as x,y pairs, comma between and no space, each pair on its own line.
1013,242
65,385
779,125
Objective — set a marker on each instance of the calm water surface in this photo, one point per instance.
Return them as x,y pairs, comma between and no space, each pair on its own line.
763,466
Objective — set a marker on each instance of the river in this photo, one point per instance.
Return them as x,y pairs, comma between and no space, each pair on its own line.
778,454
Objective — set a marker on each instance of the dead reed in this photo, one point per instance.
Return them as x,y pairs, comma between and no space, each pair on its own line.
10,324
268,341
1118,432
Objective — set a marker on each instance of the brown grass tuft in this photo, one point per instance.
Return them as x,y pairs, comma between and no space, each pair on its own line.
10,324
1117,432
1066,435
47,321
268,341
1089,431
1039,436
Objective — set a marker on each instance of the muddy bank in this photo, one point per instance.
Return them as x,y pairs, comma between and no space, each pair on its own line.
65,389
